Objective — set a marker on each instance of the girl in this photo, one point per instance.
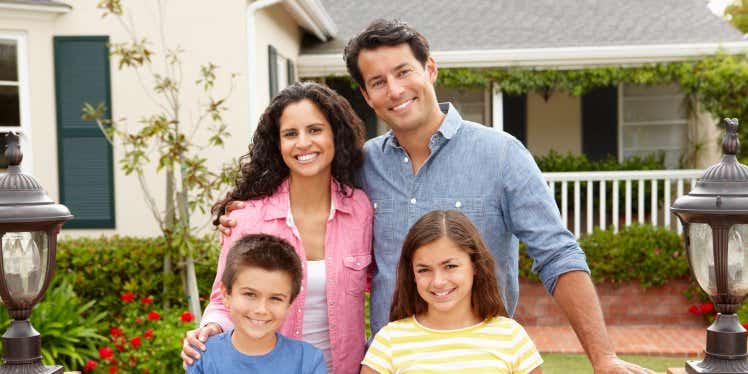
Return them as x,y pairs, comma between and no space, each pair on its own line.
297,183
447,314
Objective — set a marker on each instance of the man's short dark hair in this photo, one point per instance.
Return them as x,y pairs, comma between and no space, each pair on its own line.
383,32
266,252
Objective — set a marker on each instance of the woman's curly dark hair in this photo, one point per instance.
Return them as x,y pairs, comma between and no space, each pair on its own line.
262,170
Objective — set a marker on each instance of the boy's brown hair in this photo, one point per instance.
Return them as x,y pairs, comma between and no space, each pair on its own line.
266,252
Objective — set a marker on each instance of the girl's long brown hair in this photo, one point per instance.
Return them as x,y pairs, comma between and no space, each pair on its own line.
485,297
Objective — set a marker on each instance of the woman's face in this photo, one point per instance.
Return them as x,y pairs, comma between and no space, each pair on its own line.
306,140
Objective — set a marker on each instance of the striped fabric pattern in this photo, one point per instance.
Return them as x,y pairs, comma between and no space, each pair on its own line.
496,345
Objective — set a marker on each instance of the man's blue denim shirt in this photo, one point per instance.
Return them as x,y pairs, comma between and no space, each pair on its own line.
486,174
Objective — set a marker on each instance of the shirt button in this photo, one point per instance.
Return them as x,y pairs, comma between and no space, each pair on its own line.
298,332
375,205
302,289
413,201
358,263
405,160
298,310
332,303
458,204
329,258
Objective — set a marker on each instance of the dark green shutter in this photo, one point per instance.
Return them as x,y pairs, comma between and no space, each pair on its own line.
291,72
600,123
273,71
84,156
515,116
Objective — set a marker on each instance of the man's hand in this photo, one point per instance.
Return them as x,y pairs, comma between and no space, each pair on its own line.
615,365
197,338
226,223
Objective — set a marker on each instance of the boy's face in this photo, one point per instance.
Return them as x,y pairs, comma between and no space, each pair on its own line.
398,87
258,302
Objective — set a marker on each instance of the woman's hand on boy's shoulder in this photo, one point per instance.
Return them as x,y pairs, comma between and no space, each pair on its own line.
225,222
196,339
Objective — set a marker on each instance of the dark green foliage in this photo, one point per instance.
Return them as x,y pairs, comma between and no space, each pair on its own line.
644,253
102,269
71,328
556,162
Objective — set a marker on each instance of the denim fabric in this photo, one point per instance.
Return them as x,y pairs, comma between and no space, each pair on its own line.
486,174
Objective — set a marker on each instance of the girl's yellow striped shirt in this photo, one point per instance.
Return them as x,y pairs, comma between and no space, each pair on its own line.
496,345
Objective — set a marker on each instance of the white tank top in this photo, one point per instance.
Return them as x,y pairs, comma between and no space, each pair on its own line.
316,329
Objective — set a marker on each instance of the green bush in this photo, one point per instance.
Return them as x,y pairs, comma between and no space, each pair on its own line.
644,253
556,162
96,267
69,327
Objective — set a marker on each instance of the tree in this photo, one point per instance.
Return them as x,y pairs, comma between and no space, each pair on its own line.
165,141
737,13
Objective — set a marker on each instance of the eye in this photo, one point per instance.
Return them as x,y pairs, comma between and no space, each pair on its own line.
422,270
315,130
451,266
403,73
250,295
289,134
377,84
277,299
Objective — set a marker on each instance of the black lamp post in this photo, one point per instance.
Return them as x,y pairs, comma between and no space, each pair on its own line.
715,218
29,224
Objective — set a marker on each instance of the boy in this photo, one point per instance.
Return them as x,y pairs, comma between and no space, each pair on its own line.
262,278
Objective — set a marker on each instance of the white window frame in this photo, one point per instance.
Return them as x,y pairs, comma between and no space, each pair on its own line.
622,123
24,131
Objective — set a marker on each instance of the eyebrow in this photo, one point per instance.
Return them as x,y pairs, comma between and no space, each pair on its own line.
398,67
451,259
256,291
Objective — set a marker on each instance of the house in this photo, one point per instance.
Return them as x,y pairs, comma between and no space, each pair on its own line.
622,120
53,58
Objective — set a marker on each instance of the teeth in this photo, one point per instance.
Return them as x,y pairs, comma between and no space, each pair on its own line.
306,157
403,105
259,322
442,293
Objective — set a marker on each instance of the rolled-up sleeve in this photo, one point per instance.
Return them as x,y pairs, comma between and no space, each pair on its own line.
532,216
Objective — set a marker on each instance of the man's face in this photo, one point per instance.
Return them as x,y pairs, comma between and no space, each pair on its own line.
398,87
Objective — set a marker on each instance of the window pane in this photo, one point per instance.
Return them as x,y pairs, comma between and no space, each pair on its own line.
8,60
9,109
3,144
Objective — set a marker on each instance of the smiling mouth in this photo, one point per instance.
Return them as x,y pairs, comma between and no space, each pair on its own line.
307,157
443,293
258,322
403,106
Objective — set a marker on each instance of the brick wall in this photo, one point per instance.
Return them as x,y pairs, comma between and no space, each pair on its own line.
627,305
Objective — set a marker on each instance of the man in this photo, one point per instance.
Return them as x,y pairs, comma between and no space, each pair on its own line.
433,159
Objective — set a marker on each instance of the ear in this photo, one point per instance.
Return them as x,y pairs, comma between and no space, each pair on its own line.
365,95
431,69
225,295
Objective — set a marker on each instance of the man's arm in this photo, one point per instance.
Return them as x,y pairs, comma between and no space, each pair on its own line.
576,296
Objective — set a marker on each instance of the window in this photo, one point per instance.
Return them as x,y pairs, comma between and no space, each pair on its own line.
654,119
281,71
13,106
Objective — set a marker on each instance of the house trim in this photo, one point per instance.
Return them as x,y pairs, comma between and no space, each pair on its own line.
311,65
31,11
497,107
24,100
310,15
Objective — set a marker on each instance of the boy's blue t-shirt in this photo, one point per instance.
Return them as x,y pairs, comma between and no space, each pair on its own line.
288,356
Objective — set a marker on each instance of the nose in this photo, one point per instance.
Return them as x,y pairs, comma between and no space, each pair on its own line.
304,140
260,307
439,279
394,88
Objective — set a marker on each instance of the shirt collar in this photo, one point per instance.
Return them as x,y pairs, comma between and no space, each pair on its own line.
279,206
451,123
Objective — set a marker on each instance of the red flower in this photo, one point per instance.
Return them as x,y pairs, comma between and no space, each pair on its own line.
119,347
145,371
706,308
105,353
154,316
90,365
127,297
112,370
115,332
745,325
694,309
146,300
148,334
135,342
187,317
138,320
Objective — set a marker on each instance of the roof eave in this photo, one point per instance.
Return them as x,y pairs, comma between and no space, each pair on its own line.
312,16
316,65
55,9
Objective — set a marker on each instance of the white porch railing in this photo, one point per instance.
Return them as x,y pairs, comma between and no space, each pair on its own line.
599,211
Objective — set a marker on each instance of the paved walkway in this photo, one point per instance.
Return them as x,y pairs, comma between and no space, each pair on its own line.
648,340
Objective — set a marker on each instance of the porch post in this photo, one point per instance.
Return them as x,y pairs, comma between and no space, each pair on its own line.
497,107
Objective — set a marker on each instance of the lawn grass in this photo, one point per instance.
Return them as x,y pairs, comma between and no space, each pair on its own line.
556,363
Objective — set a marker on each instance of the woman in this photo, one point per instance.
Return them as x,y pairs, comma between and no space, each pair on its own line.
297,182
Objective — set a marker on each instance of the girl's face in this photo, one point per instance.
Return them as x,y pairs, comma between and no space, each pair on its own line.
306,140
444,276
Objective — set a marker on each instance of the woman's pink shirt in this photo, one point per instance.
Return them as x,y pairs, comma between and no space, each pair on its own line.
347,258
